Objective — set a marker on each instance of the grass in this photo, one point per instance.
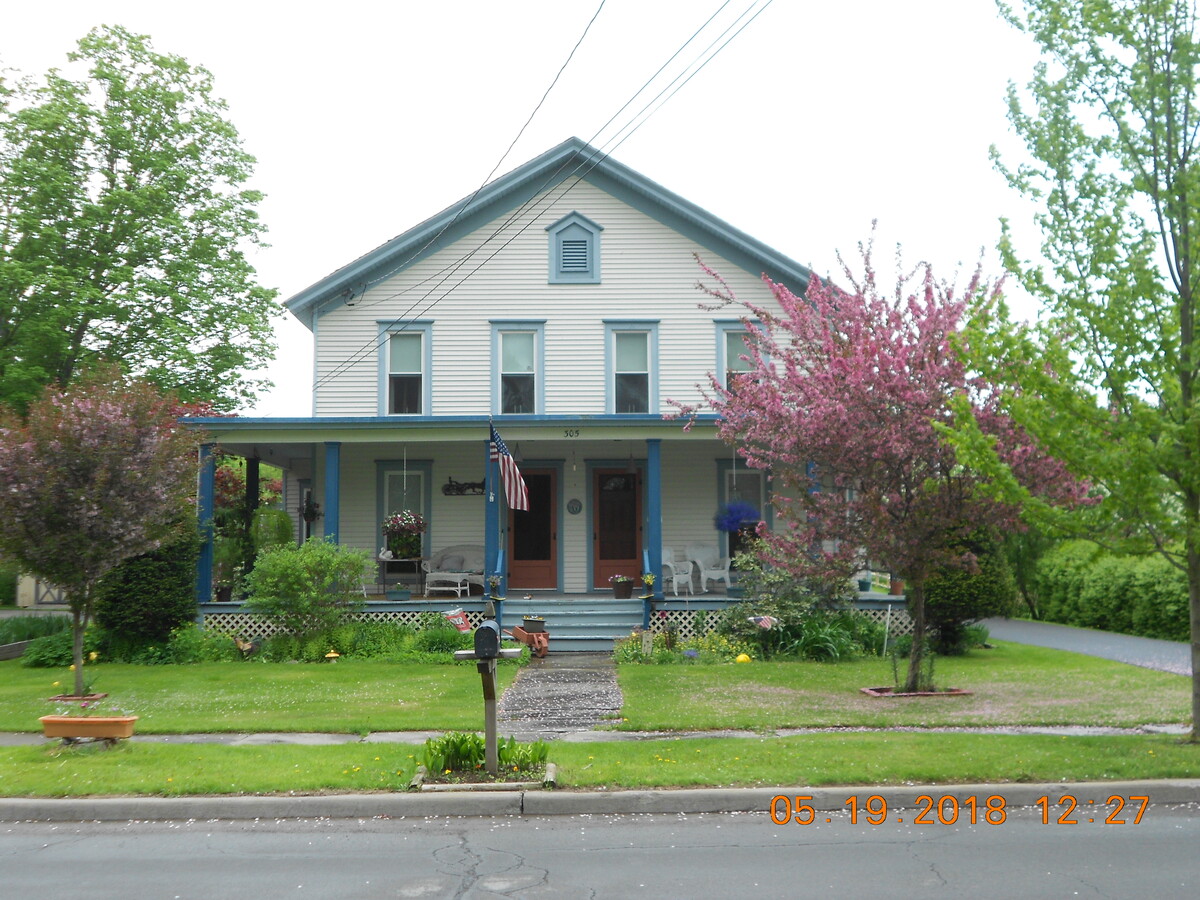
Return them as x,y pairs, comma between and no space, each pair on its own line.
1013,684
155,769
350,696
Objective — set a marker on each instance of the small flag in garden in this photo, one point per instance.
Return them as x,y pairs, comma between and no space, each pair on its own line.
515,491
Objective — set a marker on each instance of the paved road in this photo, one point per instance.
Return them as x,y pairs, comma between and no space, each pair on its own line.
673,855
1166,656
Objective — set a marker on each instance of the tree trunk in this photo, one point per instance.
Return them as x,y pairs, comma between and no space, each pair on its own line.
915,680
1193,565
78,624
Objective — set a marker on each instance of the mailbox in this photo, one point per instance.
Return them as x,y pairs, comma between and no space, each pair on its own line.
487,640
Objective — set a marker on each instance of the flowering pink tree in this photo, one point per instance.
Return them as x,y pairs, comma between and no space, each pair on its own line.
95,474
842,403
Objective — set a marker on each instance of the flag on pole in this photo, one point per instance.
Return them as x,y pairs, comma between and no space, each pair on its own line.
515,491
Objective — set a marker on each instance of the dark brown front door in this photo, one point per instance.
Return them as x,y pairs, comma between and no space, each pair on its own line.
617,525
533,535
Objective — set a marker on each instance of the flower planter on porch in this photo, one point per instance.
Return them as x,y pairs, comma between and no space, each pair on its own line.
622,590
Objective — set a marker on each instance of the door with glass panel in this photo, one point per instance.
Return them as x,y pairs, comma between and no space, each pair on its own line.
616,525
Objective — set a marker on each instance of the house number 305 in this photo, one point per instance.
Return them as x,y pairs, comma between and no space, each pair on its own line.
570,432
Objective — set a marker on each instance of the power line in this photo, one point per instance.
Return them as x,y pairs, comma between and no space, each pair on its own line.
452,268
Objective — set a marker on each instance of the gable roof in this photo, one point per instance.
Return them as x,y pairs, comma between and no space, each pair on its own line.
572,158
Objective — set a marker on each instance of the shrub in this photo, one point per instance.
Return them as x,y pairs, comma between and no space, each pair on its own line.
271,528
26,628
955,596
193,644
1085,586
445,639
57,650
144,599
8,585
309,588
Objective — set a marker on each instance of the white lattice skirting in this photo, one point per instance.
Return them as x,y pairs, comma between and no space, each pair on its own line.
250,627
691,623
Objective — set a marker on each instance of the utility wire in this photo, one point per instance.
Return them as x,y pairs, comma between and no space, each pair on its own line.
451,269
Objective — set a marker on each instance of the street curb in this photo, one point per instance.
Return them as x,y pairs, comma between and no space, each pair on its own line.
568,803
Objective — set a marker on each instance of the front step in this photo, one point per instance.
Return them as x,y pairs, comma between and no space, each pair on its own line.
588,624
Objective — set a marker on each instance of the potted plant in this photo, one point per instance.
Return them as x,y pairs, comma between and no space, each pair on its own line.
648,581
622,586
494,587
402,532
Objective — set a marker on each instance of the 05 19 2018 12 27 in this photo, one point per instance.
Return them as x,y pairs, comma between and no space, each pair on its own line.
951,810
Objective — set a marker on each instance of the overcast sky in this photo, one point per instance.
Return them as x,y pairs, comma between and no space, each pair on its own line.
367,118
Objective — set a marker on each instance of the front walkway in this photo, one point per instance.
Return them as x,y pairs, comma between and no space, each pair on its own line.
558,694
1149,653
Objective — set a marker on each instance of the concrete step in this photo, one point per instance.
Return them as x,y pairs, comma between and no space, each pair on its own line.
584,624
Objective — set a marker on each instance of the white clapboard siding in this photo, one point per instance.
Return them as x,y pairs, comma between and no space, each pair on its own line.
648,272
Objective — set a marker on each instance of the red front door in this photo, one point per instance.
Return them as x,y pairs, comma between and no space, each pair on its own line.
617,525
533,535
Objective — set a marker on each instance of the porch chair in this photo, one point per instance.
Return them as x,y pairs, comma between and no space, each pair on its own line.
711,565
676,571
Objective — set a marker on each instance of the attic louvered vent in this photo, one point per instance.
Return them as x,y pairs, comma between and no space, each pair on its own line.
574,256
574,250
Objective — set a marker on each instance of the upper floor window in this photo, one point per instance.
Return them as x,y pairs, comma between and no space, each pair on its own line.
405,364
632,350
574,250
731,350
518,351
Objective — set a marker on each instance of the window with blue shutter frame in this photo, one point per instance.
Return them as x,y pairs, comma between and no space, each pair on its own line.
574,250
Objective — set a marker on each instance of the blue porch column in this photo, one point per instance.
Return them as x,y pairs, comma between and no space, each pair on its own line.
205,505
492,545
333,489
653,520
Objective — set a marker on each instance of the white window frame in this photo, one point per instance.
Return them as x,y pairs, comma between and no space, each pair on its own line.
388,330
499,329
627,326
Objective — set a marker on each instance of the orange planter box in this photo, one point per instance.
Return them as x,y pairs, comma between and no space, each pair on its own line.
109,727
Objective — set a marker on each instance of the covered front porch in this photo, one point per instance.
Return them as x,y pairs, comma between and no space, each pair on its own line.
609,495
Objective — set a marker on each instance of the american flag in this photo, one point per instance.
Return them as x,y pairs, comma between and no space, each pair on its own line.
515,491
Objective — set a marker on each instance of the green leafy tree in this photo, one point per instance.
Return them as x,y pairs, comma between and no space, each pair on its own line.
124,217
1108,378
97,473
981,585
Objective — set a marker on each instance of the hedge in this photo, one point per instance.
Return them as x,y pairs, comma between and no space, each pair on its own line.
1080,584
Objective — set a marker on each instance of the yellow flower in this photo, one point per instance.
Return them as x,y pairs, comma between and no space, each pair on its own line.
93,656
56,684
72,667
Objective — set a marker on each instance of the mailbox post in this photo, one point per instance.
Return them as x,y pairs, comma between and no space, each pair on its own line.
487,651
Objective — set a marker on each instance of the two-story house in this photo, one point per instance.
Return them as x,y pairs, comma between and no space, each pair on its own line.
560,303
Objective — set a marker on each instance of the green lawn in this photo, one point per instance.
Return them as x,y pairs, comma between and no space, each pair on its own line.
155,769
1013,684
347,696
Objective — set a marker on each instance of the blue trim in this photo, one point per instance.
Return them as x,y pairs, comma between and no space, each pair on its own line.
574,226
572,158
538,327
216,424
654,512
385,467
493,562
206,493
612,327
333,490
389,328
